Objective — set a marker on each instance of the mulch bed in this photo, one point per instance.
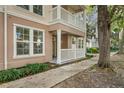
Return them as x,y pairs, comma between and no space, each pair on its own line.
93,77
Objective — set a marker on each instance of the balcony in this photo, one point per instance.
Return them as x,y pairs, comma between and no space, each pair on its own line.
61,15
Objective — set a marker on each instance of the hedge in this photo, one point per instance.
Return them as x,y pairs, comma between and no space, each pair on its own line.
16,73
92,50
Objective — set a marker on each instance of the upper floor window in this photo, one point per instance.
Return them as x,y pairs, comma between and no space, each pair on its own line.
54,6
38,9
24,6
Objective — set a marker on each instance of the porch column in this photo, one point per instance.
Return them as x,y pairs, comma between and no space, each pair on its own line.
59,46
85,33
76,47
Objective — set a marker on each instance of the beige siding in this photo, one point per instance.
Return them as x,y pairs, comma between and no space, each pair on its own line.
20,12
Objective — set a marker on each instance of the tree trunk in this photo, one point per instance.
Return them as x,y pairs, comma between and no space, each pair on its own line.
103,36
121,42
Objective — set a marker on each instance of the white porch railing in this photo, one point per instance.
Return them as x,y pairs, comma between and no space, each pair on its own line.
68,54
67,17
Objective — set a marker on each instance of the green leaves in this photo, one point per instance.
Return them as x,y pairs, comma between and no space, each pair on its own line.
117,16
13,74
92,50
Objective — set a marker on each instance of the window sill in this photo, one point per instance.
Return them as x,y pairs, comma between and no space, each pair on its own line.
28,56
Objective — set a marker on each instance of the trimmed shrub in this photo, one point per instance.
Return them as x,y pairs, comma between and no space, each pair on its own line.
114,49
92,50
13,74
35,68
89,56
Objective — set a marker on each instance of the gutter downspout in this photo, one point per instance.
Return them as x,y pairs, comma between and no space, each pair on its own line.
5,37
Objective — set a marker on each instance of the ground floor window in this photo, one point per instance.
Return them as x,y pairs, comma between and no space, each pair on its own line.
22,40
37,42
80,43
28,41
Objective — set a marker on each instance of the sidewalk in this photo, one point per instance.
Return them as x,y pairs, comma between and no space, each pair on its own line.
52,77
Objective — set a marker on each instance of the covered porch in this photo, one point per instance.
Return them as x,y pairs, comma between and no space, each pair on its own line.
67,46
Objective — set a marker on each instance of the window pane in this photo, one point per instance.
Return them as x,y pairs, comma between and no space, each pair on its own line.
22,48
20,45
35,37
26,51
35,33
26,37
19,33
41,36
37,9
39,51
73,40
54,6
19,51
35,45
26,31
79,46
38,48
26,45
38,39
38,36
82,43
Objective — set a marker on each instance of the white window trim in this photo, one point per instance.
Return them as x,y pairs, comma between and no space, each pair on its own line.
80,43
31,54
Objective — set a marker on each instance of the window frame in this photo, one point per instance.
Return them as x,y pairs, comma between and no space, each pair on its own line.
36,42
81,43
31,54
23,40
39,10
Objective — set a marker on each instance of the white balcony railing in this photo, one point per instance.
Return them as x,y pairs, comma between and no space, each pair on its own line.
68,54
62,15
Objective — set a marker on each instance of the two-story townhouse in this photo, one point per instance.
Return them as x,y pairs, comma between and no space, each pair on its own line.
41,33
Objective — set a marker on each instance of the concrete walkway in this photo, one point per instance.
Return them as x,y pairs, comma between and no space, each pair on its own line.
52,77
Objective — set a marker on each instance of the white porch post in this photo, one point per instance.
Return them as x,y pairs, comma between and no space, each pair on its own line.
85,33
76,47
59,46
